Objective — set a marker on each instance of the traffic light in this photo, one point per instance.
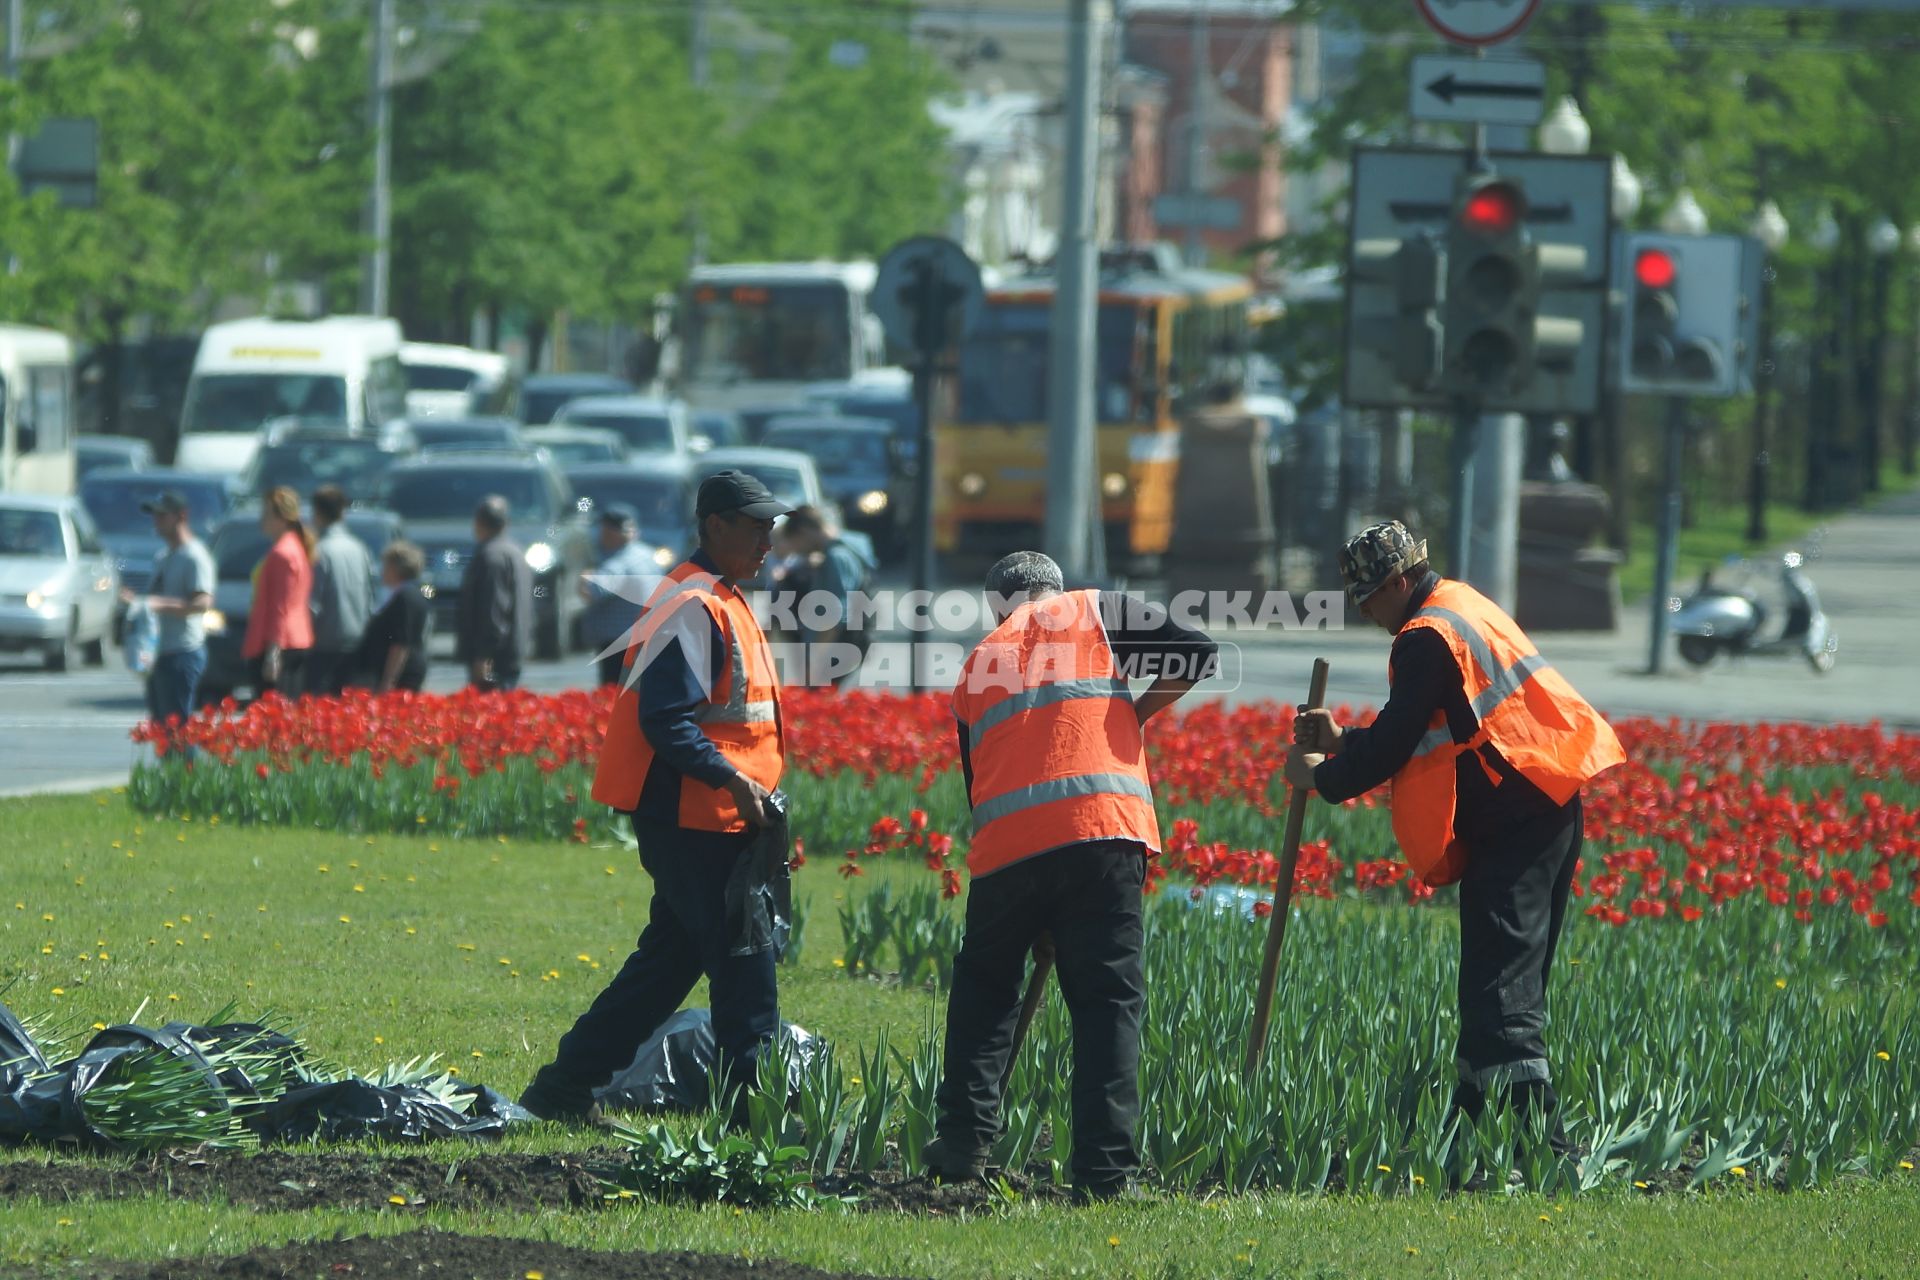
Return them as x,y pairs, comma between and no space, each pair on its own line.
1687,316
1492,290
1409,339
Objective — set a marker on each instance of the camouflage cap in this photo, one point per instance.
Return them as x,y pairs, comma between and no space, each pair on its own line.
1377,554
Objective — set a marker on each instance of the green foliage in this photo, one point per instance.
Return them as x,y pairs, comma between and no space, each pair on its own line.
916,927
711,1167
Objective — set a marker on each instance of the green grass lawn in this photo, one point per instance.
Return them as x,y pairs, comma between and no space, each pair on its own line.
384,948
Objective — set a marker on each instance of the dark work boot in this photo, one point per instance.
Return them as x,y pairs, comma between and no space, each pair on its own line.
549,1099
952,1163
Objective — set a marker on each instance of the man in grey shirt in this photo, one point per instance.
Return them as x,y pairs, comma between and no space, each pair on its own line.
342,598
493,623
183,580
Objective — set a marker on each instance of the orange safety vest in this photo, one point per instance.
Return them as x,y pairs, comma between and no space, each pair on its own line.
1550,735
741,716
1056,751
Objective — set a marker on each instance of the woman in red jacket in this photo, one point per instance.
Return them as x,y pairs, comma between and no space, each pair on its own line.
280,628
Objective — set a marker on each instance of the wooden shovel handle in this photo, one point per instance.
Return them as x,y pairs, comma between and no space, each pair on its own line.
1283,893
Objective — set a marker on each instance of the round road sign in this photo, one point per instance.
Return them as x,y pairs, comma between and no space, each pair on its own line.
1478,23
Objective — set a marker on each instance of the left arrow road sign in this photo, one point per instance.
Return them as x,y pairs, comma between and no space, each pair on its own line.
1478,90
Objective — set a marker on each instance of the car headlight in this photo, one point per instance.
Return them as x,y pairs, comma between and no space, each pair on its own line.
663,556
539,557
1113,484
872,502
972,484
35,600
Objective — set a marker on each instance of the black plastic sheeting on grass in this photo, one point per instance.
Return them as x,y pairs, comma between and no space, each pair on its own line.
275,1096
672,1071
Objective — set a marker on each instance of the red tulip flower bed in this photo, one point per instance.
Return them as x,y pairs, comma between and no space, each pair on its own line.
1807,820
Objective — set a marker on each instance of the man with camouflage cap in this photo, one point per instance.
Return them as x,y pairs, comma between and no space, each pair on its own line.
1487,748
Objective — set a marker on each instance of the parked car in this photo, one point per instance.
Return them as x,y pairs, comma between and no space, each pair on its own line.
96,453
542,394
57,584
648,426
717,429
569,445
861,469
871,400
453,382
436,497
237,545
754,418
659,491
112,497
305,458
466,433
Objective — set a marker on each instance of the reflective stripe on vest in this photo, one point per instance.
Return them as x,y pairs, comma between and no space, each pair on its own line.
1045,695
737,709
1540,726
1080,784
1056,749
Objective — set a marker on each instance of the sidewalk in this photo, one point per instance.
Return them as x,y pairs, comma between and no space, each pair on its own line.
1868,576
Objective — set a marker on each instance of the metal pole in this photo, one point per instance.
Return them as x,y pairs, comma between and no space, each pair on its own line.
923,376
1499,449
1910,418
1466,421
1200,74
1820,390
374,271
699,70
1070,478
1873,379
12,72
1669,550
1762,463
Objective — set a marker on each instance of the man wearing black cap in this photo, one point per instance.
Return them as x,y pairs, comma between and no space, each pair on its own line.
626,576
693,752
493,620
183,579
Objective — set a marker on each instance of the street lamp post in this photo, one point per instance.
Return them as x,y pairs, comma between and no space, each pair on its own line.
1770,229
1910,419
1824,239
1883,241
1565,132
1625,198
1684,217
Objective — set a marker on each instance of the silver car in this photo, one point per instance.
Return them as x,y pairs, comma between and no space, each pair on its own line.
57,584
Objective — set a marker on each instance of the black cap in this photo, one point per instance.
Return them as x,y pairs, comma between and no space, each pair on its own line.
725,491
619,513
171,502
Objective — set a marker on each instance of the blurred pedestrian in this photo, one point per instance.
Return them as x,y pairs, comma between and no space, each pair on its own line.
280,622
692,754
1487,748
342,598
832,567
493,619
393,648
616,591
183,581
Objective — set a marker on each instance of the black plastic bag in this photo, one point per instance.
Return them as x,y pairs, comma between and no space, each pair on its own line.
759,894
671,1070
345,1109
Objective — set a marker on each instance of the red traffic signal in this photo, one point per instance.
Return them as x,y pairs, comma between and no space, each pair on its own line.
1493,210
1655,268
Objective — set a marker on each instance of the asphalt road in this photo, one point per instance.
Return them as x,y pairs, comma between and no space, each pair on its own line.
69,732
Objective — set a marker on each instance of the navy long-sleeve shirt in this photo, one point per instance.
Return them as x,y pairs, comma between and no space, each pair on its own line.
1146,642
670,699
1425,679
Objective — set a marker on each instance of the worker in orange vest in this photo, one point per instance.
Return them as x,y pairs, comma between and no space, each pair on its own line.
1487,748
693,752
1063,823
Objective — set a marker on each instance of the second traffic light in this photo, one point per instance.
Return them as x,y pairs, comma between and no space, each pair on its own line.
1691,303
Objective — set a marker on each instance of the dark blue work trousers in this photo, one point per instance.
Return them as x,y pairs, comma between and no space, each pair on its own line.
688,935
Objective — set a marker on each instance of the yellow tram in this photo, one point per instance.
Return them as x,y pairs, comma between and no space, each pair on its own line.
1165,333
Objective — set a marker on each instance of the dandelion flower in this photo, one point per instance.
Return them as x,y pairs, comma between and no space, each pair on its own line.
59,991
1780,983
1546,1217
1884,1056
1412,1252
1113,1242
1906,1164
379,1039
1739,1171
396,1199
346,919
1384,1168
536,1275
